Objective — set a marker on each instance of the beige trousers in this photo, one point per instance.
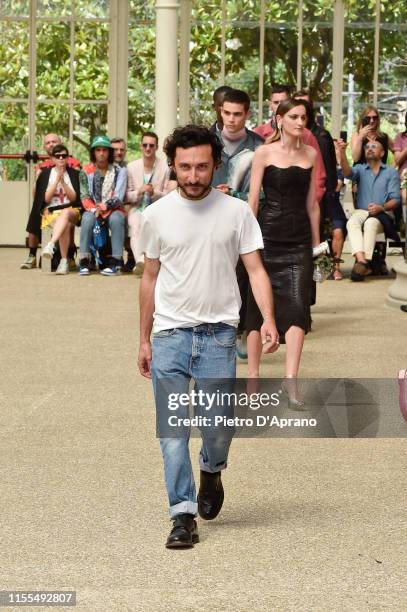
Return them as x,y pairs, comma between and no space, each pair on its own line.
134,223
363,238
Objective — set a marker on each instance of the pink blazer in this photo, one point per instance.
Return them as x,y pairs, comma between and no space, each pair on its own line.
135,180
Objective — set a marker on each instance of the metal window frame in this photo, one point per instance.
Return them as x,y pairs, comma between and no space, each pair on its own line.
115,104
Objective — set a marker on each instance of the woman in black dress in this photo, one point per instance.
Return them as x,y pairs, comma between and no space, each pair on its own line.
289,220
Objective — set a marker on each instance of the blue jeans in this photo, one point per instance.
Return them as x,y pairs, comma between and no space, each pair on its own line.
206,353
116,223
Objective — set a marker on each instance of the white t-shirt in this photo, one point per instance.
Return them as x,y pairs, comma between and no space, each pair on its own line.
198,244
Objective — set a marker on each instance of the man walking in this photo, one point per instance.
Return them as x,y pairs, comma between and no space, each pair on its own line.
233,176
192,239
277,95
218,96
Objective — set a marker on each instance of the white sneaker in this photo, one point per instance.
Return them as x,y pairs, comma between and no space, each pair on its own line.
48,251
63,267
29,263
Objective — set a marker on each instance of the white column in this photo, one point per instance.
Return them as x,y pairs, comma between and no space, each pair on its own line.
166,71
376,53
337,66
262,26
299,44
223,44
117,110
185,37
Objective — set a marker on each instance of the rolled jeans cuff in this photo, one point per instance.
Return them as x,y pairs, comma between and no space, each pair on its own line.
185,507
205,467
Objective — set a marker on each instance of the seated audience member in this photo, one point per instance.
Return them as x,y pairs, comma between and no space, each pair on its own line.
34,221
120,151
56,190
400,157
368,129
147,182
378,195
103,188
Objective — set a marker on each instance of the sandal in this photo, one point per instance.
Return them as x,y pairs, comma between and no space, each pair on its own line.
337,275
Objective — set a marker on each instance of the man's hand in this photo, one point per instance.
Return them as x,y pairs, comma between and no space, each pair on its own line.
148,188
269,337
144,359
341,145
223,188
375,209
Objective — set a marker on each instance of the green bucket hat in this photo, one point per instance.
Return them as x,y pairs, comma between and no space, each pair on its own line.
101,141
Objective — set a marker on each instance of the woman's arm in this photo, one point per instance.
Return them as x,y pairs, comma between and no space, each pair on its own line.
400,156
256,179
356,142
313,206
50,192
51,189
390,143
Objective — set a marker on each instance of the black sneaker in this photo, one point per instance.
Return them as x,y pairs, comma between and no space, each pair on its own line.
129,266
184,533
84,267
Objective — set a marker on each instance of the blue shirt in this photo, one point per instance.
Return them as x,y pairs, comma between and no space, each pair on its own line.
375,188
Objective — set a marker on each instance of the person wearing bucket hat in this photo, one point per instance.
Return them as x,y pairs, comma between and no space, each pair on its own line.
103,187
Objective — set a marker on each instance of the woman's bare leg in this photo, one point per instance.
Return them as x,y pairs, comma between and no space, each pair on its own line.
294,339
253,353
64,241
65,219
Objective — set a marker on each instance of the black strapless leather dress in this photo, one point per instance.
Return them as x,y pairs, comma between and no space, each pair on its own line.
287,254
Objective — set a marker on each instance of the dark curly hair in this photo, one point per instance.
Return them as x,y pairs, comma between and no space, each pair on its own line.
192,136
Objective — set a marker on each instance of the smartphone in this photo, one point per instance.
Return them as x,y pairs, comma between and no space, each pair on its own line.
365,121
343,135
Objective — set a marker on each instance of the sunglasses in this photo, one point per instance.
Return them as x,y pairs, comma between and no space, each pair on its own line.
147,145
371,146
61,155
372,117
